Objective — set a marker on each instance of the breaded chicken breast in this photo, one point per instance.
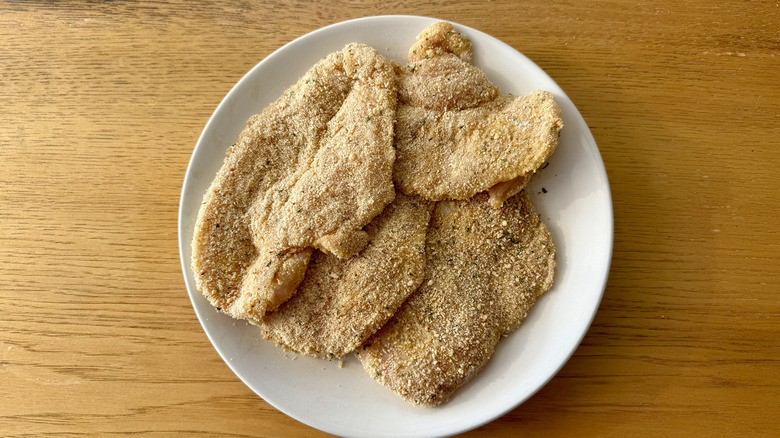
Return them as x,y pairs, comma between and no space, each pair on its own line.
485,268
309,171
342,302
456,134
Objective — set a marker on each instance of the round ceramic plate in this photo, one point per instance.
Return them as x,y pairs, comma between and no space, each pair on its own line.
571,194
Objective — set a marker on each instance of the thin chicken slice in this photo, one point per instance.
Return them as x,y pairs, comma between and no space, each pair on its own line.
342,302
485,268
456,134
310,170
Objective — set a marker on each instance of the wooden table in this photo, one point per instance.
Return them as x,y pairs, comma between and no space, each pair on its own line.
101,104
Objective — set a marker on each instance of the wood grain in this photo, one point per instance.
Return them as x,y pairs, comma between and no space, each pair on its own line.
101,104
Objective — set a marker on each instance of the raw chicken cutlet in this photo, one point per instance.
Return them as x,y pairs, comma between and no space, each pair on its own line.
456,134
310,171
485,268
342,302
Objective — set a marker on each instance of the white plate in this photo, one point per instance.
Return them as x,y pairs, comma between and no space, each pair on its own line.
577,208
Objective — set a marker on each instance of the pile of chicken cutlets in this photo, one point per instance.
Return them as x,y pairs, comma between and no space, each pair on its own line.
379,209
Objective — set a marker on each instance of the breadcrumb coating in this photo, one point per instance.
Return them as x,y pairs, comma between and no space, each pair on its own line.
456,135
343,302
310,170
345,176
485,268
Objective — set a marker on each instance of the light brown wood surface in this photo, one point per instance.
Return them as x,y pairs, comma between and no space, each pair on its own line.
101,104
